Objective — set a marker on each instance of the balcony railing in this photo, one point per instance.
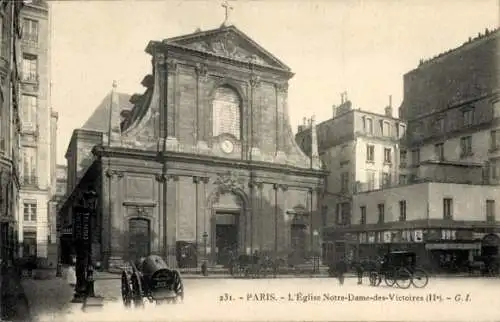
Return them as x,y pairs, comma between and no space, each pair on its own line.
30,181
30,77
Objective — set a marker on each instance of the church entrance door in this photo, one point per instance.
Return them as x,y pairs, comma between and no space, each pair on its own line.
226,237
139,238
298,242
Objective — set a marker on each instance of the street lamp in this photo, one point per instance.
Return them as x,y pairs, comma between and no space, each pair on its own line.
85,211
316,253
204,264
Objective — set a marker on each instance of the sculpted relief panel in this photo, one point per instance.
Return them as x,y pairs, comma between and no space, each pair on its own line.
139,188
226,45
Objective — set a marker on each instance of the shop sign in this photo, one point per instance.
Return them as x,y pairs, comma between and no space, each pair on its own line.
464,235
478,235
412,236
387,237
351,237
433,235
396,236
448,234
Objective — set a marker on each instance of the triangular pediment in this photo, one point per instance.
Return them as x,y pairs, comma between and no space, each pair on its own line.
228,42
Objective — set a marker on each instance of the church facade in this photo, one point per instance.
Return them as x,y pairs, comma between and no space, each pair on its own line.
205,162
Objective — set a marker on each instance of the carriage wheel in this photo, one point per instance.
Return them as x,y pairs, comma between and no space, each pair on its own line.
136,291
390,279
419,278
126,291
403,278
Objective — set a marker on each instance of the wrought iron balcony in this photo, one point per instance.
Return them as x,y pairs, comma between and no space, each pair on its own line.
30,77
30,181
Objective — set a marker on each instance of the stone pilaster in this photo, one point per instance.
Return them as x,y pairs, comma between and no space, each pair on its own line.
172,105
172,186
254,119
160,65
281,94
283,222
201,109
113,227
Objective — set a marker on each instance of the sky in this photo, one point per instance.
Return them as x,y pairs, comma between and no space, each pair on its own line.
361,47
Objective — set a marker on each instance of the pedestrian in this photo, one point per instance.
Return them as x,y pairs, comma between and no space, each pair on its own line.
359,271
71,272
341,270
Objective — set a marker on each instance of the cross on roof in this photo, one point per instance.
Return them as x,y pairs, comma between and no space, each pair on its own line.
227,7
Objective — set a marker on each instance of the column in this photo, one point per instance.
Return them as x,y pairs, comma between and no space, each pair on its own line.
259,222
162,104
276,214
199,199
162,213
250,218
201,108
281,101
115,221
172,104
171,185
311,221
284,241
253,119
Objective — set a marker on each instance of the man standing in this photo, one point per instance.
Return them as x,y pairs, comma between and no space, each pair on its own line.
341,270
359,270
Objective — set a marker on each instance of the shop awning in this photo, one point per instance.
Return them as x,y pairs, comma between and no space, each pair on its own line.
453,246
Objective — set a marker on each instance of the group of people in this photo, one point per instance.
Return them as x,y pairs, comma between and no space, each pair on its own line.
360,267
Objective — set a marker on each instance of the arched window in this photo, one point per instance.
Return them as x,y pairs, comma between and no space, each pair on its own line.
226,112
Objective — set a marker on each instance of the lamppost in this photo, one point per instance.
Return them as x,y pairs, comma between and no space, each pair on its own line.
316,252
204,265
85,211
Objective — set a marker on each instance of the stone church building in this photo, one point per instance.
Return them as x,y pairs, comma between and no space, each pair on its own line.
204,160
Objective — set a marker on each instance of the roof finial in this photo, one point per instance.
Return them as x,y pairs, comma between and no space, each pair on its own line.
227,7
390,100
115,84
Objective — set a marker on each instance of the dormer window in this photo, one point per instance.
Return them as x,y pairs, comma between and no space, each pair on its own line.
386,128
367,125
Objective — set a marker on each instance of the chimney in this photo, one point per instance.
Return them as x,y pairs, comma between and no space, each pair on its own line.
114,131
388,109
334,110
315,162
345,104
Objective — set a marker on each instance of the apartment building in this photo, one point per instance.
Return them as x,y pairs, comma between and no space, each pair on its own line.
444,206
360,149
37,128
433,219
9,127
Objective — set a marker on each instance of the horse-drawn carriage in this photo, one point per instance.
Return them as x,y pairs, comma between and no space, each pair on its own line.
253,266
150,278
399,268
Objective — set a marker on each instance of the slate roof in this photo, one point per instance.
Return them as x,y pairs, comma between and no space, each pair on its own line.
99,120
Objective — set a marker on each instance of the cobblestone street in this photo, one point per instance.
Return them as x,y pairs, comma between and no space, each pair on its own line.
294,299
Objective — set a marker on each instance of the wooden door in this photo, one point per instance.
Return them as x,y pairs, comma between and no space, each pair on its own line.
139,238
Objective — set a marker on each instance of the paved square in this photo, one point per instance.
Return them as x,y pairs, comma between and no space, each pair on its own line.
457,299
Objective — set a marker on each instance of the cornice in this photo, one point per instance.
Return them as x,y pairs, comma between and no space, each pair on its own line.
213,68
170,156
438,138
159,46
